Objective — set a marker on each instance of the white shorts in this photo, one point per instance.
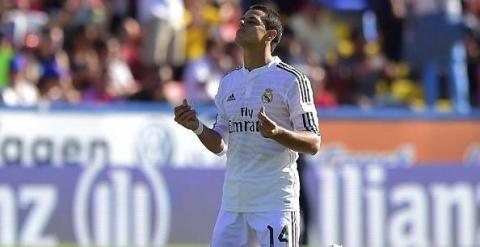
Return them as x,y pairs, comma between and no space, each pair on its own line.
267,229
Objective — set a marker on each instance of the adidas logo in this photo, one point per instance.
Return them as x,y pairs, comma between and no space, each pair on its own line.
231,97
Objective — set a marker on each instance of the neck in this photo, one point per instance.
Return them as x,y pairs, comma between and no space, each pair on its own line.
254,58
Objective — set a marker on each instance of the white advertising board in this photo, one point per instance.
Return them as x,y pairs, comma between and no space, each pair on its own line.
83,138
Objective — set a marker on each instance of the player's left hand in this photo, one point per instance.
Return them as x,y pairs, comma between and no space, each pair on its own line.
268,128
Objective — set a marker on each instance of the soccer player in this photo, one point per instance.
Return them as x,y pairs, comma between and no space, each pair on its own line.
265,115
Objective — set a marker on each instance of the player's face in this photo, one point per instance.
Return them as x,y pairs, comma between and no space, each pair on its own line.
252,31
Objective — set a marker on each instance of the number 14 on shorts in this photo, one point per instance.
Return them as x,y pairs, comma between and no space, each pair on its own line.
283,237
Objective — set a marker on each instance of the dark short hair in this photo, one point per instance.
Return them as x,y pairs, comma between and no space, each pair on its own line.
271,20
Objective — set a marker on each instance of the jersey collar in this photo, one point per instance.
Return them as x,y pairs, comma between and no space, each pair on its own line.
275,60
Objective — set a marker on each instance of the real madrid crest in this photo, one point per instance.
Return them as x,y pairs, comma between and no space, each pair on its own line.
267,96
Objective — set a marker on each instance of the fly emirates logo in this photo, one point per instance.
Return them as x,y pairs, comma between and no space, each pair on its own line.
246,124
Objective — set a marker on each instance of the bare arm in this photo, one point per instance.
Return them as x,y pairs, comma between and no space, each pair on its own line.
300,141
212,140
187,117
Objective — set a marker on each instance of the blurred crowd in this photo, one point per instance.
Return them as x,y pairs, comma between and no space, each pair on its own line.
418,54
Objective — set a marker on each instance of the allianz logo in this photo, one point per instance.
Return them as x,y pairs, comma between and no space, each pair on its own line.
121,207
374,206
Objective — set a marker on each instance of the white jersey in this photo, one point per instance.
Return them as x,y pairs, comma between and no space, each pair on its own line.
261,174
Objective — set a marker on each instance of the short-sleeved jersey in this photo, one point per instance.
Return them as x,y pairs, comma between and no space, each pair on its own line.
261,174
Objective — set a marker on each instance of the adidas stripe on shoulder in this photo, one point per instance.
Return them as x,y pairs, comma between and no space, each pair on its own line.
303,84
309,122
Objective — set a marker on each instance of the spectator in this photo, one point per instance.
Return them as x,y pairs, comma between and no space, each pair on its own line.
107,55
314,27
164,27
99,90
390,29
230,15
172,90
203,18
433,46
472,43
49,88
473,52
322,97
24,21
7,52
130,47
202,76
53,59
21,91
120,78
151,88
83,57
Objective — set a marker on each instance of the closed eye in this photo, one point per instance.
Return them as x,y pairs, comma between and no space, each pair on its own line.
250,21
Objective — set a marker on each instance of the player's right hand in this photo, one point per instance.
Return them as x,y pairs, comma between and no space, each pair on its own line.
186,116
